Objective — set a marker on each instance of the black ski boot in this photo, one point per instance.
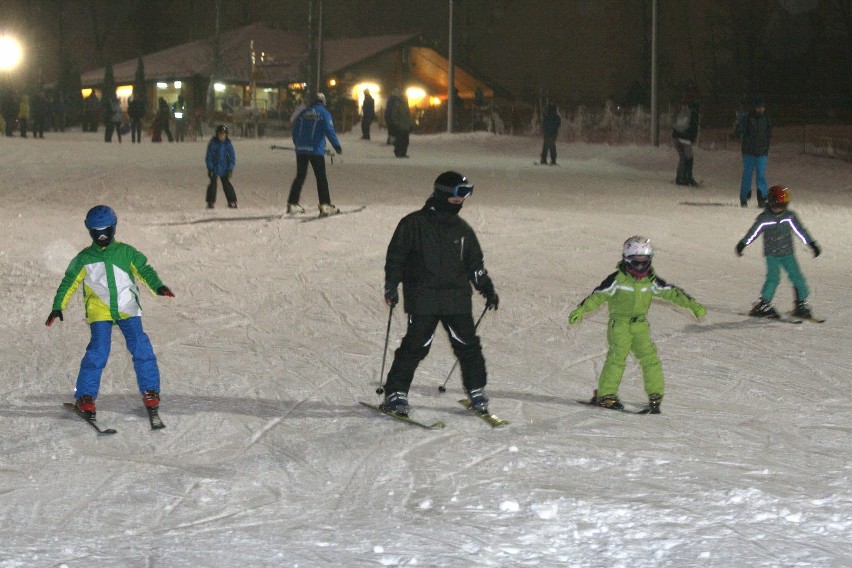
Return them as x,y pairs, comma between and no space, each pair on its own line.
654,401
801,309
763,309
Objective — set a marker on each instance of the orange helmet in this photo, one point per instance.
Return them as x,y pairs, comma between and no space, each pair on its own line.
779,196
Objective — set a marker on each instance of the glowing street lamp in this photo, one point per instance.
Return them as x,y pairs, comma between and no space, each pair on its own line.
11,53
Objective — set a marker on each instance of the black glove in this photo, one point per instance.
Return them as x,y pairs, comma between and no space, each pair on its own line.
338,149
391,294
815,247
164,291
211,174
740,247
483,283
52,317
492,300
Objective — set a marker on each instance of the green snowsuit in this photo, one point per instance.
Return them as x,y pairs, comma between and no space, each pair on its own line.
627,331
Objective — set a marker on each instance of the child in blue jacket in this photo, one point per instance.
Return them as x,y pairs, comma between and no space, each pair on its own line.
221,161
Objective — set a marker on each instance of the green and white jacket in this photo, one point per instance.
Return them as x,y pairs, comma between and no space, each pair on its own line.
109,277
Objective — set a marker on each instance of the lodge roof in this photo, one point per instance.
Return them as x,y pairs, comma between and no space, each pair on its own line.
279,55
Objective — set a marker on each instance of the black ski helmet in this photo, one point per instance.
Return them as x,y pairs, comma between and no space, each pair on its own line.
221,128
451,182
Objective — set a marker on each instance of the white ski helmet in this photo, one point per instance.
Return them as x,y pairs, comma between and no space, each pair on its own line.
637,246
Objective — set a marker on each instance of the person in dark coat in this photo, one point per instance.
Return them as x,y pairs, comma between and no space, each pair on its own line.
163,115
550,131
39,110
368,113
436,257
9,108
221,161
684,134
136,112
393,101
756,132
401,119
92,108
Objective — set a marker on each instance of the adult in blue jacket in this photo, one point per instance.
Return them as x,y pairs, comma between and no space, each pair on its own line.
310,129
221,161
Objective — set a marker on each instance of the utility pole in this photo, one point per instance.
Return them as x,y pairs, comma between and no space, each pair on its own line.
451,79
315,48
655,117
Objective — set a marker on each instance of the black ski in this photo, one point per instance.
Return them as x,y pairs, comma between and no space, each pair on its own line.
494,420
342,212
643,410
154,417
785,319
92,422
406,419
811,319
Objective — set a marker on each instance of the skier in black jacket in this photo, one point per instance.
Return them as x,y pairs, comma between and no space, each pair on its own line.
436,256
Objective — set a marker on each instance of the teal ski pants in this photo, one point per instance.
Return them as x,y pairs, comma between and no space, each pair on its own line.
630,336
774,264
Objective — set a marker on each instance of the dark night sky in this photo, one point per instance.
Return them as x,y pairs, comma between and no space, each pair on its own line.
571,50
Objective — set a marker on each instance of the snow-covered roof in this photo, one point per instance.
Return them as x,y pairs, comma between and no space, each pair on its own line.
284,54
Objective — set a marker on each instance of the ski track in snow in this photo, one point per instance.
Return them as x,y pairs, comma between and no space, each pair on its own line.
277,332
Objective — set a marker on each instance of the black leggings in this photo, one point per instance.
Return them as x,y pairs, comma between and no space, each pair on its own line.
318,164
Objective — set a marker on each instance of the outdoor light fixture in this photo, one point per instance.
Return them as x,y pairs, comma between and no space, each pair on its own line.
178,84
219,87
162,85
415,95
11,53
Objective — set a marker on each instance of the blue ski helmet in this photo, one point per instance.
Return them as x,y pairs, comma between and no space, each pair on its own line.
101,221
101,216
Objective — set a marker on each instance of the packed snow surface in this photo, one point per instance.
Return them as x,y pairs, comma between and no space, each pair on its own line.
277,332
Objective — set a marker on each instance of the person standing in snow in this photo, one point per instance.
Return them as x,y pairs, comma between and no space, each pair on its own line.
550,131
629,291
756,132
684,134
221,161
136,112
401,120
311,128
108,271
368,113
777,224
436,256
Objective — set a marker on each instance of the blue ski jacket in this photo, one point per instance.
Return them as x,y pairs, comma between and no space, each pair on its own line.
312,127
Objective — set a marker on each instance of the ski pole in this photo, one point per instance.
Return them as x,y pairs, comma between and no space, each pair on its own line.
381,389
443,387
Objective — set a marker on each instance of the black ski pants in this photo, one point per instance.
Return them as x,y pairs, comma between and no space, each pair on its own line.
227,187
418,340
317,162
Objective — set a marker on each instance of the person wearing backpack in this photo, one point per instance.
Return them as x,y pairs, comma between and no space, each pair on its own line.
684,135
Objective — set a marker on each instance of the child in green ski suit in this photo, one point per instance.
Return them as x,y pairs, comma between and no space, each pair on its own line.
629,292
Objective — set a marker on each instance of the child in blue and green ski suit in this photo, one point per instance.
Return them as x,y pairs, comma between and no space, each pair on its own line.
629,291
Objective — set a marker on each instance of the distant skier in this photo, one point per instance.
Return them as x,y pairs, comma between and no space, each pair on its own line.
756,133
108,271
778,224
436,256
629,291
221,161
684,134
550,131
311,128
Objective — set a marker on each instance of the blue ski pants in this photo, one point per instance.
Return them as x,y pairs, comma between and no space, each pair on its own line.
97,353
753,165
774,264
